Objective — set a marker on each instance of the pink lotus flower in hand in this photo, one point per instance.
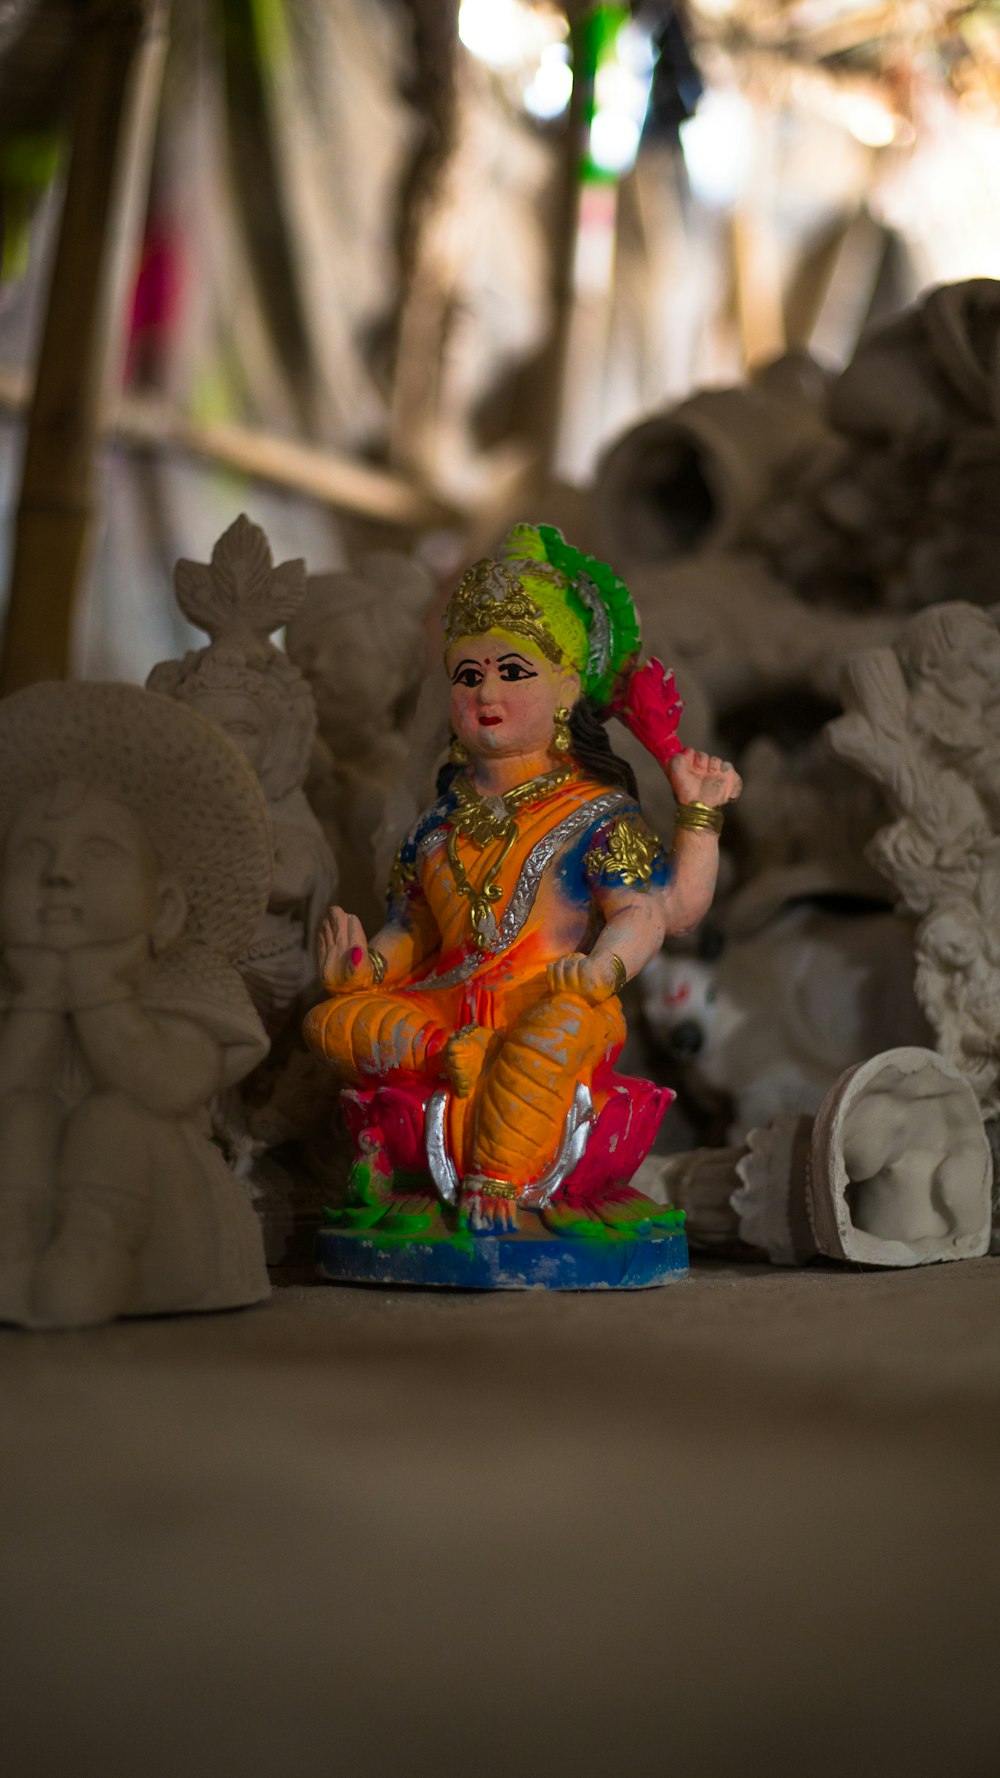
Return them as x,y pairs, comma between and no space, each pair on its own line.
648,704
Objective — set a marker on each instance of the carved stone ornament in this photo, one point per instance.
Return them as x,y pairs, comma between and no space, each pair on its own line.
134,866
922,723
254,692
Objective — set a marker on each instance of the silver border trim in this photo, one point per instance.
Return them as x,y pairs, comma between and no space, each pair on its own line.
599,639
442,1167
580,1120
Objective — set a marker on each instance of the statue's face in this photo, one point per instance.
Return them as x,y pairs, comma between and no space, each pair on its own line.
244,721
504,694
77,869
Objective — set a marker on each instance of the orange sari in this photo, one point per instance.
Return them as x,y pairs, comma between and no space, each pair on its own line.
536,1045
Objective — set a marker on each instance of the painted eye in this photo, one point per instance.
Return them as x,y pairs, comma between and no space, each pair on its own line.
513,670
470,676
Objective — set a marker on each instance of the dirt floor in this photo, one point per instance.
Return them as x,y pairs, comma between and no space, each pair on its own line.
743,1524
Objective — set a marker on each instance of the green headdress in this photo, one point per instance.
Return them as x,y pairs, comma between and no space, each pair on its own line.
573,608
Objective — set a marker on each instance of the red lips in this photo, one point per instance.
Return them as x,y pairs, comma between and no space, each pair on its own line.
489,721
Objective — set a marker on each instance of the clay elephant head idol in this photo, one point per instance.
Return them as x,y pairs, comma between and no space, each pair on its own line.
476,1033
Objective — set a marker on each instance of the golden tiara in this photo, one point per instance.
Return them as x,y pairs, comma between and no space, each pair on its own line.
491,596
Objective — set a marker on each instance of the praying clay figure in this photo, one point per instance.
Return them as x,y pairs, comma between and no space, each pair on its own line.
253,691
477,1032
134,864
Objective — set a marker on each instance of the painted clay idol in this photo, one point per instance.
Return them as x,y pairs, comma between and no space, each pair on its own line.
477,1032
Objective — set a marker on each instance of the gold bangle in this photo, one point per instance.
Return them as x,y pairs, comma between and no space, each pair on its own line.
379,966
694,817
621,973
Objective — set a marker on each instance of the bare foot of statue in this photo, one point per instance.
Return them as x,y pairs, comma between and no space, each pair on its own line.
488,1214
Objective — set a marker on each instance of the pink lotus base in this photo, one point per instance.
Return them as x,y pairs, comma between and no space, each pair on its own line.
386,1125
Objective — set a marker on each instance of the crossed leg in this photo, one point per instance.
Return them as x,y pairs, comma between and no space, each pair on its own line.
512,1093
370,1037
525,1097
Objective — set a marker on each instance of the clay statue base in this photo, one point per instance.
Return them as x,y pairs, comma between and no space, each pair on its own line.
450,1258
595,1232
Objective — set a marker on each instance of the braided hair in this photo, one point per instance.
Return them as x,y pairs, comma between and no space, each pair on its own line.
592,749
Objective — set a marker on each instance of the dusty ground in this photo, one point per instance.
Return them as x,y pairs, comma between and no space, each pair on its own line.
745,1524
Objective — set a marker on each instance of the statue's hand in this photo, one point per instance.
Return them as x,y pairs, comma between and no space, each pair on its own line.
342,950
593,978
702,778
38,976
98,974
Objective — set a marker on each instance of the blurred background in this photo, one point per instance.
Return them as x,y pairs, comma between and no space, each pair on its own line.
392,271
712,286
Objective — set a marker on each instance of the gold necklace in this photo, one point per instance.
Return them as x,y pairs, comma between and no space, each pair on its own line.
474,819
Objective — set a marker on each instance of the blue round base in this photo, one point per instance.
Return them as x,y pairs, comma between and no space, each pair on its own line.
529,1260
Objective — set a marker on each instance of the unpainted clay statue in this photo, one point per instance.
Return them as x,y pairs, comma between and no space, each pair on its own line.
360,641
922,722
695,477
254,692
895,1170
770,1021
478,1031
805,821
135,863
725,617
904,516
874,489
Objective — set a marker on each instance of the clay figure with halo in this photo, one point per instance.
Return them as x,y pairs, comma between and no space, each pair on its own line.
135,864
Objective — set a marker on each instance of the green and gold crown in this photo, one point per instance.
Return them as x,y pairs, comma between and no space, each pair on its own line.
572,607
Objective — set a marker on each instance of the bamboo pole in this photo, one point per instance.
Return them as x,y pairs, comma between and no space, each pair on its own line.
428,264
553,367
145,423
121,50
756,258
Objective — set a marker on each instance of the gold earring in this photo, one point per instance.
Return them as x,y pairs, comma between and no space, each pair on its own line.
561,738
457,752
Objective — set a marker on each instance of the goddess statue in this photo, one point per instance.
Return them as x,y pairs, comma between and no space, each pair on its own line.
476,1033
